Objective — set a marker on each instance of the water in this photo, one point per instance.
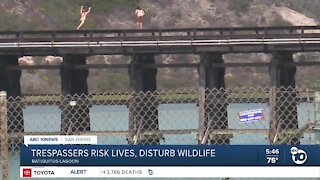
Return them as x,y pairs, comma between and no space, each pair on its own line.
171,116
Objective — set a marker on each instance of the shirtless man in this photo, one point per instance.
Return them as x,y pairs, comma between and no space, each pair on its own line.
139,13
83,15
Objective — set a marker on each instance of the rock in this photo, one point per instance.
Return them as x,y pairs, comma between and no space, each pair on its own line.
26,60
52,60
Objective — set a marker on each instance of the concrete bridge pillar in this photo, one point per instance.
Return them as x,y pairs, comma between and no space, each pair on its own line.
74,88
212,104
10,82
283,105
143,109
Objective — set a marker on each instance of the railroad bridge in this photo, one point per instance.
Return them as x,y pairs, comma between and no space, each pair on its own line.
142,45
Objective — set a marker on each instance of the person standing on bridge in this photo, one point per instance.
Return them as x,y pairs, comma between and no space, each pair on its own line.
83,15
139,13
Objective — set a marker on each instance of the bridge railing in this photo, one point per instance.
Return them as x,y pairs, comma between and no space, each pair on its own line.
171,41
157,33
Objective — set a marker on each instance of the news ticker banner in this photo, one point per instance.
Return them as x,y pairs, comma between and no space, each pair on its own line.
169,155
170,161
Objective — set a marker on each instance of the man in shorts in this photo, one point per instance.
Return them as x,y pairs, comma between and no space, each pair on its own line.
139,13
83,15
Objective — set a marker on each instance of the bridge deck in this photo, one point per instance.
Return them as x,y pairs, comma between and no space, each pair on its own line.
187,40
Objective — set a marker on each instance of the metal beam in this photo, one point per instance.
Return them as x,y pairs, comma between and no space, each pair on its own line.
162,32
171,65
159,132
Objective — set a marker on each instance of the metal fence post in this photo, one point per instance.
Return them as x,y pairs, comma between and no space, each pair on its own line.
202,116
273,135
4,136
317,100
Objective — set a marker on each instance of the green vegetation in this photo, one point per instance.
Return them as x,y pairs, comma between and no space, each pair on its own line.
174,96
107,5
11,21
57,8
58,14
110,82
176,83
240,5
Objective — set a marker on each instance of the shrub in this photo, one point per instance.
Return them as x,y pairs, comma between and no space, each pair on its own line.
240,5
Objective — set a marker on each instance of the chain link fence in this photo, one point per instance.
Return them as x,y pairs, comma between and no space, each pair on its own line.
202,116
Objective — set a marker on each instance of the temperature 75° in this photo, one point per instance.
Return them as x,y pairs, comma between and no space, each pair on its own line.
272,160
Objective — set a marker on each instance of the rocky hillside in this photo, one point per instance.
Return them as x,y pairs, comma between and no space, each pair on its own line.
117,14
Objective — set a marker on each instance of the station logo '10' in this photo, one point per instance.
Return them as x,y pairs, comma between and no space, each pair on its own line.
298,156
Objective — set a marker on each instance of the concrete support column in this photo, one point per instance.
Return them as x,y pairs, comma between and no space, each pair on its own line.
10,82
283,106
212,104
74,88
143,109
